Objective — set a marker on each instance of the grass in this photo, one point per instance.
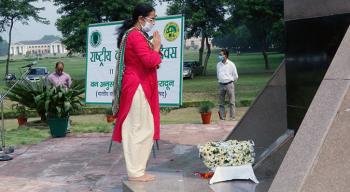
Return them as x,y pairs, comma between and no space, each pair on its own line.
250,67
18,136
206,88
252,78
75,66
90,124
191,115
25,136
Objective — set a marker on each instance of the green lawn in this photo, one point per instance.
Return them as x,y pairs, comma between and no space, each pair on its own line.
206,88
75,66
252,78
250,68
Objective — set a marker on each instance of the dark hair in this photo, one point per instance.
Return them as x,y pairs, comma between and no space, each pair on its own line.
225,51
140,10
59,62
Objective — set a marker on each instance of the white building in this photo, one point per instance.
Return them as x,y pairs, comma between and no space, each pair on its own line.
38,47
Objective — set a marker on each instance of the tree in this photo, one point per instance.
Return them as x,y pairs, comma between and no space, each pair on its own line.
277,35
50,38
78,14
3,48
22,11
260,17
202,18
234,38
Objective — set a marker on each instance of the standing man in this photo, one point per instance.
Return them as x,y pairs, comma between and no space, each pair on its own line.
227,75
60,78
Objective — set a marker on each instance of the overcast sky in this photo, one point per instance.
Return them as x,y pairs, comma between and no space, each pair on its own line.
35,31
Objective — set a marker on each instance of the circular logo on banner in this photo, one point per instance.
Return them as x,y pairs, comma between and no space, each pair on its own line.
95,38
171,31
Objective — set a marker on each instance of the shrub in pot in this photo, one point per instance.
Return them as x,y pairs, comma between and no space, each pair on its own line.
109,115
59,102
25,92
205,111
21,114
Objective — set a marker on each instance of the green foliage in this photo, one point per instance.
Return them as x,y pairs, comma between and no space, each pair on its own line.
202,18
277,35
78,14
206,107
22,11
12,11
20,110
260,17
109,111
25,93
59,101
35,95
3,48
50,37
237,38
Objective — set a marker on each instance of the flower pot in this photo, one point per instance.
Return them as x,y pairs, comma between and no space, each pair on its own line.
206,117
58,126
110,118
22,121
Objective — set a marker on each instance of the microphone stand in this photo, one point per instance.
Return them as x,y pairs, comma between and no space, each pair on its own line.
3,155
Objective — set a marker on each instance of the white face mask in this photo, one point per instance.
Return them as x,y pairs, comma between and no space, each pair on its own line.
147,27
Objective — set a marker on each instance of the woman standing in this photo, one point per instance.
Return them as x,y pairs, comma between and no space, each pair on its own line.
136,91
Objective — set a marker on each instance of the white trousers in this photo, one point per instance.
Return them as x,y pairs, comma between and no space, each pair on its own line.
137,134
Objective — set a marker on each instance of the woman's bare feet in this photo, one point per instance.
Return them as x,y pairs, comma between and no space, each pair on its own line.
143,178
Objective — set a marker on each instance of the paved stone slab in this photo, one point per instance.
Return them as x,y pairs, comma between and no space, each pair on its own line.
81,162
331,170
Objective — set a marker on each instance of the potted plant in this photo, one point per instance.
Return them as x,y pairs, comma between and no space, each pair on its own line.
59,102
109,115
25,92
21,113
205,111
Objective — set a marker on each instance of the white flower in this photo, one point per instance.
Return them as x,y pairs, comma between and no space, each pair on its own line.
228,153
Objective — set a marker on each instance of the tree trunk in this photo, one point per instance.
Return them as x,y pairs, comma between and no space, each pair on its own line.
207,56
8,49
266,59
201,51
264,52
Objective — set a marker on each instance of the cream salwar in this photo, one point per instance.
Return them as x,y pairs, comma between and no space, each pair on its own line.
137,135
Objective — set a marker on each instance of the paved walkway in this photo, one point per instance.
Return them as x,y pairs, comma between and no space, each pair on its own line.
81,162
